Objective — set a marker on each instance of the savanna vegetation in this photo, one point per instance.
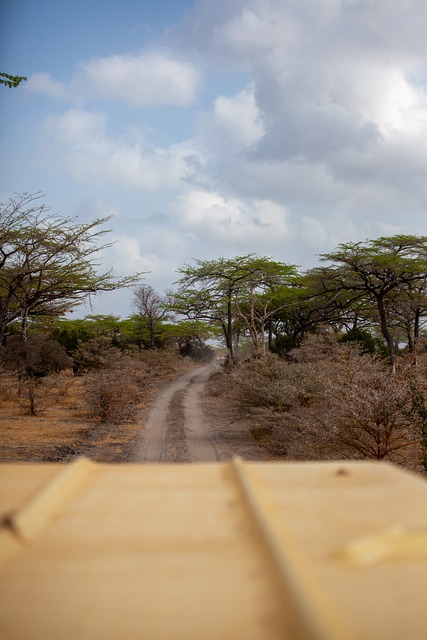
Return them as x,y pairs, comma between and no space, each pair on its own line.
326,363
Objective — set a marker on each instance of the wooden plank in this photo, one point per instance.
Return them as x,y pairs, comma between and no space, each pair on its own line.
254,551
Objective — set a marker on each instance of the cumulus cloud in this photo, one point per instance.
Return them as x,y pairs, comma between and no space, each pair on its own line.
235,120
94,156
158,255
321,139
208,216
149,79
340,95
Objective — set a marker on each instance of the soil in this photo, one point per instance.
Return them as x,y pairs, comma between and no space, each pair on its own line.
183,415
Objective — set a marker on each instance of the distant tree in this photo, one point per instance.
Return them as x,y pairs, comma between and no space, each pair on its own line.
71,333
47,262
364,338
149,304
261,295
222,291
105,325
190,336
134,332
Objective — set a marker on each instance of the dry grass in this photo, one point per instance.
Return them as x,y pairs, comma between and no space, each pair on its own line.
64,429
331,402
41,437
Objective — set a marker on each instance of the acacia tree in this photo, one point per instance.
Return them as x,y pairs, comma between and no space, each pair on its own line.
376,273
261,295
47,262
151,306
221,291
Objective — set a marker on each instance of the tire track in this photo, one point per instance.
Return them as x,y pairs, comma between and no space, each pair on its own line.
175,430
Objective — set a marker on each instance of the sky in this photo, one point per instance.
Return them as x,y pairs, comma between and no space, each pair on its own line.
217,128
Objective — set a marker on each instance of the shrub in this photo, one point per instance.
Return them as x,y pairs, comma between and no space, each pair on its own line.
112,394
94,355
35,394
363,337
34,358
330,400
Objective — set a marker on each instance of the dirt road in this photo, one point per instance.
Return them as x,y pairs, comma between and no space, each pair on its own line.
176,429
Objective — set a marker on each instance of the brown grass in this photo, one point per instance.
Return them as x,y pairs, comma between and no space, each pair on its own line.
64,429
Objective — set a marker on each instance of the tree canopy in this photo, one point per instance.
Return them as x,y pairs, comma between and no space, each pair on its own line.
377,276
48,263
230,289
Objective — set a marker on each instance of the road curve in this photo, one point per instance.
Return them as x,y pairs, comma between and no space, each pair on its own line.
186,390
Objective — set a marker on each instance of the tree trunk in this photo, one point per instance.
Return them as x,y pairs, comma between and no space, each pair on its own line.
385,331
24,325
151,327
270,333
417,319
229,332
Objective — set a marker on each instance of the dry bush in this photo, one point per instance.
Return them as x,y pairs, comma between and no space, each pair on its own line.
34,358
266,386
112,394
161,361
364,410
94,355
332,401
35,394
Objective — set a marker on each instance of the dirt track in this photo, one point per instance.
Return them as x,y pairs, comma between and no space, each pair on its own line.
177,429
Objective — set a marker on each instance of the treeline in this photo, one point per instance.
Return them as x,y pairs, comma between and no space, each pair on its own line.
373,291
370,399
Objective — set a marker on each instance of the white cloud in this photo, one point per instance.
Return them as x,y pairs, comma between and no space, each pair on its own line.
321,139
44,83
149,79
77,128
258,28
157,254
93,156
227,221
235,123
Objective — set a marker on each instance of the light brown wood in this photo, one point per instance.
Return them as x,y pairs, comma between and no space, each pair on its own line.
212,551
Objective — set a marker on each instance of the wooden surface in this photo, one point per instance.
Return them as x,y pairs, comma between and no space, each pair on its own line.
212,551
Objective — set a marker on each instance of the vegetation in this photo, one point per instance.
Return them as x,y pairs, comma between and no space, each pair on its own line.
111,392
330,400
150,306
334,362
383,281
47,263
10,81
222,292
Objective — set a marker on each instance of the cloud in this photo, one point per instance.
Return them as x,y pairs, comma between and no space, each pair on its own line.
235,121
93,156
227,221
312,129
44,83
149,79
339,102
158,255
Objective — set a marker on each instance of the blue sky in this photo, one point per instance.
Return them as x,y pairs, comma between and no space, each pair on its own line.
218,127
